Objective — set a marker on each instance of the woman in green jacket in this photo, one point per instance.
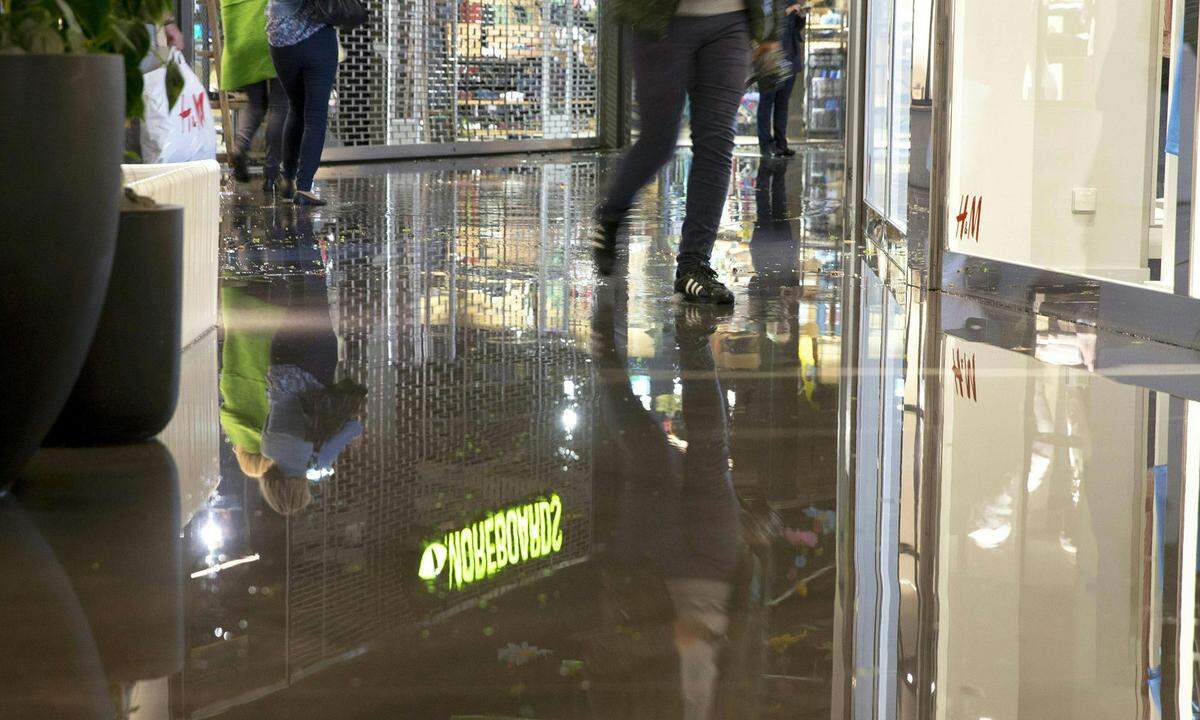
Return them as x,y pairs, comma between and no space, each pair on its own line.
246,65
697,50
285,413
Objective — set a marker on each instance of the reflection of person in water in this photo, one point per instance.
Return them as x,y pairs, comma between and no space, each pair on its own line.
769,402
676,566
282,408
772,246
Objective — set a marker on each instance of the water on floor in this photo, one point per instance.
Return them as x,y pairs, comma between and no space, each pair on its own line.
430,467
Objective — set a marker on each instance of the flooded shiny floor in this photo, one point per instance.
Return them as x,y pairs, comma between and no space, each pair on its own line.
430,467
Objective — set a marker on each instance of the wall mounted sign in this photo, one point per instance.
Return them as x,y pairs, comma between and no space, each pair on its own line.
502,539
964,376
969,219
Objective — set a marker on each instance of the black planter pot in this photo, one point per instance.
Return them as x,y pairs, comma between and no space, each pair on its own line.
127,389
62,118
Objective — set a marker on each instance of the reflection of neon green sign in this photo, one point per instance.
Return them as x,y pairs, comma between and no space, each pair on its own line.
502,539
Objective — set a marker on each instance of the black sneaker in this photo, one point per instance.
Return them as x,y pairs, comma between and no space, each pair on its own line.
269,185
604,242
287,190
241,167
782,150
699,284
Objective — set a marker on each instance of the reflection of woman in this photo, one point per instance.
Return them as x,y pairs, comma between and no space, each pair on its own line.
250,323
286,415
676,567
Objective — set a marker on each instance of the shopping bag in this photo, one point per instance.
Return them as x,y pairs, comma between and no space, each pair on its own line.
183,132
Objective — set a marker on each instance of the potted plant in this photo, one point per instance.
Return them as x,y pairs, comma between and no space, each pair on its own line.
127,389
69,77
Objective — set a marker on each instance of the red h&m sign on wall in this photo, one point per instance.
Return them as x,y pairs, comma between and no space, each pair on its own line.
969,217
964,376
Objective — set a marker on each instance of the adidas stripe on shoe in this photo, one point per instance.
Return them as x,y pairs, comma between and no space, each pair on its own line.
700,284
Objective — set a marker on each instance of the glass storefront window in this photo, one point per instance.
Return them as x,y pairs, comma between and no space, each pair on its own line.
922,24
889,98
879,56
902,54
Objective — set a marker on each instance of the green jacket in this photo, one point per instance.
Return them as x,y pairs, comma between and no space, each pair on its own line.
250,326
247,58
653,16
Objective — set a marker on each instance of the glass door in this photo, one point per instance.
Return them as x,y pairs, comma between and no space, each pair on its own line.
896,126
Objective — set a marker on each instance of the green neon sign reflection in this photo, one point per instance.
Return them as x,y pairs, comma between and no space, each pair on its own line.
502,539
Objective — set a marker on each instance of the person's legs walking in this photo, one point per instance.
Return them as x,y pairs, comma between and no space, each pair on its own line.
660,69
320,70
277,112
248,121
766,111
783,95
715,90
289,66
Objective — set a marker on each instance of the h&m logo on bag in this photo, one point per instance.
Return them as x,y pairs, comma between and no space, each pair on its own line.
194,116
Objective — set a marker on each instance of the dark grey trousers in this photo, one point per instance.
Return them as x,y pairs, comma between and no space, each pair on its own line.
704,60
266,99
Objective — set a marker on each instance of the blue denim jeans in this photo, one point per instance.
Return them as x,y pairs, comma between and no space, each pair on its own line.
307,71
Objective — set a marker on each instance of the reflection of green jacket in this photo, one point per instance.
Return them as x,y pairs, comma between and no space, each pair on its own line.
653,16
250,326
247,59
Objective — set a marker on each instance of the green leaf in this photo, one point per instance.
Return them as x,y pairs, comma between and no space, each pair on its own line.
174,82
76,40
135,106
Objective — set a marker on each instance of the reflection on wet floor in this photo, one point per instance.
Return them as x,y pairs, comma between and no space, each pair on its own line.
565,499
1020,542
428,467
458,478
